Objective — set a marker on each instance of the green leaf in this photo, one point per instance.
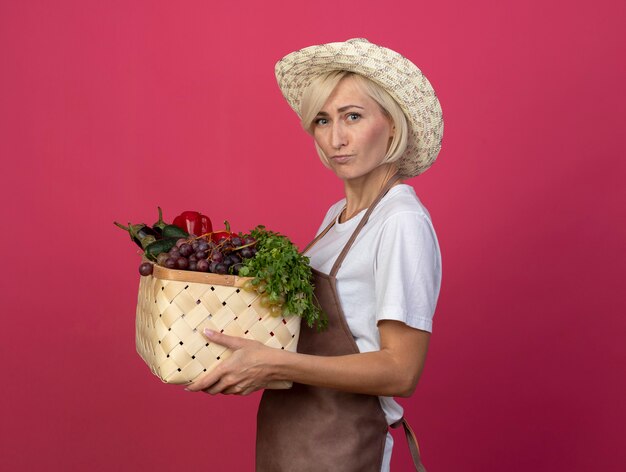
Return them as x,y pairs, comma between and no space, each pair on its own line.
280,270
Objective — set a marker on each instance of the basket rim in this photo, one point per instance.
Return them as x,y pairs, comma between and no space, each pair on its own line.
164,273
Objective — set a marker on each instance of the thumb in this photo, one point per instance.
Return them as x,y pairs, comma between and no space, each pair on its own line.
230,342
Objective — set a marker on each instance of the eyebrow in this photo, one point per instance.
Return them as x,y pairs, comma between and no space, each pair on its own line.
341,110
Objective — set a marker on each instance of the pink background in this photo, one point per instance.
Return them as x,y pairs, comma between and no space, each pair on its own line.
108,109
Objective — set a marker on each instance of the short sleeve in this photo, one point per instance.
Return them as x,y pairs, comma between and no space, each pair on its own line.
407,270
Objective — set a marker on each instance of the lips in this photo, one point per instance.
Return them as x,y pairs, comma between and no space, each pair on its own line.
341,158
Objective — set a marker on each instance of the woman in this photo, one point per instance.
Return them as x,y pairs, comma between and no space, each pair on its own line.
375,119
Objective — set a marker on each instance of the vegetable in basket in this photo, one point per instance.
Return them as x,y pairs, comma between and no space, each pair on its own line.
194,223
141,234
218,236
161,237
277,270
166,230
284,277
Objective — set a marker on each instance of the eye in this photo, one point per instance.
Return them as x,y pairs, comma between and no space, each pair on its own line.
353,116
320,121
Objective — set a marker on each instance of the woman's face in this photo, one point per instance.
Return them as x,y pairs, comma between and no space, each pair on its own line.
352,131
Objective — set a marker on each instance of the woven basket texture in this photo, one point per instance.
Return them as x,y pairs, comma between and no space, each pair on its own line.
172,314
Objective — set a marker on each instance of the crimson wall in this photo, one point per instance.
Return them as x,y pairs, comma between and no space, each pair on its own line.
108,109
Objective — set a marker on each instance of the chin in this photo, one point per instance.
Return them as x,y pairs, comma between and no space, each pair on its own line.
347,174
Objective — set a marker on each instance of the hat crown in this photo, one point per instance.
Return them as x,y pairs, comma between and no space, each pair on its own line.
358,40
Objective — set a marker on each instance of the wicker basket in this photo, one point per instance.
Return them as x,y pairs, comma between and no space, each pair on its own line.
173,309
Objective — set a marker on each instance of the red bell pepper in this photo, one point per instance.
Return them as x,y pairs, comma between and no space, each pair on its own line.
218,236
194,223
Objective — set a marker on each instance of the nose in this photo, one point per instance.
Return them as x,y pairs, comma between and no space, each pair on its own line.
339,137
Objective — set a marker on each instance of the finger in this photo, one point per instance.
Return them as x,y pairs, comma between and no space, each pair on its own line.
204,381
241,390
224,387
215,389
225,340
234,390
248,391
214,382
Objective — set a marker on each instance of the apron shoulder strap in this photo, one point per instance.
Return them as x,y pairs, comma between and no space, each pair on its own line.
362,223
321,235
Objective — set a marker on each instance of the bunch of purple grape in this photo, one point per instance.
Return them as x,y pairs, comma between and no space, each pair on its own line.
202,254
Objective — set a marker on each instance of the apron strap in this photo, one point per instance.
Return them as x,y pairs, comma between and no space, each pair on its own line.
362,223
384,191
321,235
413,446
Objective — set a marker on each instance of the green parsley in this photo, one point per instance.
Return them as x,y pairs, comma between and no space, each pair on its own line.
284,276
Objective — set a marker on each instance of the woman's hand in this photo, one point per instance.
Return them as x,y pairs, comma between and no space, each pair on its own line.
245,371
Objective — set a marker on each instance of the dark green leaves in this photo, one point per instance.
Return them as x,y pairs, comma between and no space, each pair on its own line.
284,275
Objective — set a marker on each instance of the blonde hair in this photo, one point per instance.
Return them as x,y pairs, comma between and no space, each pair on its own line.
318,91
